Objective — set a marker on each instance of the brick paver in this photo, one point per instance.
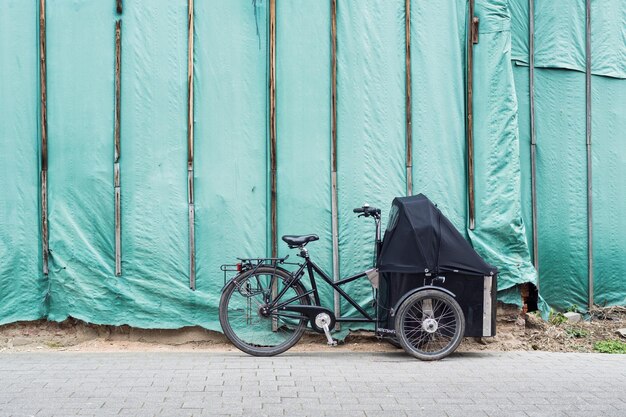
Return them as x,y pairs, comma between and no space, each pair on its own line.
326,383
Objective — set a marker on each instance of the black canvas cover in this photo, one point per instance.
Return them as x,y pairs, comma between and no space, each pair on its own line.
420,239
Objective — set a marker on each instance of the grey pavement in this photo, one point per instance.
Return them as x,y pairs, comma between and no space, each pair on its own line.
311,384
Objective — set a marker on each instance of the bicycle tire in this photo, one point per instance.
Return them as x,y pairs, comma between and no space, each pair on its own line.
253,345
448,325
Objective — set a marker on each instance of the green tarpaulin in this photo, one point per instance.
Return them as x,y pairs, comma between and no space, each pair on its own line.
231,120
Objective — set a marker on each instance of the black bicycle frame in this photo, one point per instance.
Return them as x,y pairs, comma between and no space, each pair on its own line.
311,268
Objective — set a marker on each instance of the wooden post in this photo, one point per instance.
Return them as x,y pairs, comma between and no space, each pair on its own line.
190,143
44,135
272,123
472,38
409,130
333,154
272,138
116,161
589,156
118,6
533,132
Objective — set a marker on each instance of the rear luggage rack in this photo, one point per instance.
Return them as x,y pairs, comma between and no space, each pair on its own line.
247,264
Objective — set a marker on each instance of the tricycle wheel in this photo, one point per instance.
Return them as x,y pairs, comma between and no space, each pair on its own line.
430,325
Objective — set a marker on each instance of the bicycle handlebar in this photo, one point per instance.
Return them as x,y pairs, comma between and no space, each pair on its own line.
367,211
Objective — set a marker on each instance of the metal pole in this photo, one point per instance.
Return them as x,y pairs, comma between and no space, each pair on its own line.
589,156
472,38
409,131
533,132
333,154
44,135
190,148
116,160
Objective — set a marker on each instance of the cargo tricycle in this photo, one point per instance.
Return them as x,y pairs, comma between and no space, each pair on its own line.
430,289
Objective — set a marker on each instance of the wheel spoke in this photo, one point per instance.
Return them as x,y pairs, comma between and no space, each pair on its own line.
247,321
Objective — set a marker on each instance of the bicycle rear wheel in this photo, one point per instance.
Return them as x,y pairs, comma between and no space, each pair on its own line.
246,321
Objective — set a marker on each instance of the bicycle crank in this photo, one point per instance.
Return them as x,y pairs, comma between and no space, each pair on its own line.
323,320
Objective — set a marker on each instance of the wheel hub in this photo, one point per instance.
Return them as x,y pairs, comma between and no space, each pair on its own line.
430,325
264,311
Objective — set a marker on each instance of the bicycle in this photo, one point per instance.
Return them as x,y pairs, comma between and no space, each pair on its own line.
265,309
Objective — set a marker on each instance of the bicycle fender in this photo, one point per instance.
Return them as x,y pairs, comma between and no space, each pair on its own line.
416,290
229,282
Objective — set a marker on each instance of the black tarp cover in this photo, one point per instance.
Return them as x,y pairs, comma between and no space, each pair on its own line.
420,239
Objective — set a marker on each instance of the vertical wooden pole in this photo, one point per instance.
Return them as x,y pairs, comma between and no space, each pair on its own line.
472,38
589,155
333,153
533,132
190,143
44,134
409,130
117,154
118,6
272,123
272,126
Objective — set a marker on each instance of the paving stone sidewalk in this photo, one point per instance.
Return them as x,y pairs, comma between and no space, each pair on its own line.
311,384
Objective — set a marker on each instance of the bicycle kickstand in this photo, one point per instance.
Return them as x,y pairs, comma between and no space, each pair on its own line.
329,338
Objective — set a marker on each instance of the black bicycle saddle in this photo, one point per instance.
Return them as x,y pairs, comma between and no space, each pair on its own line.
295,241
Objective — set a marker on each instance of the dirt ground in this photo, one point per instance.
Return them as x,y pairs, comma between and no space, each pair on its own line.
514,332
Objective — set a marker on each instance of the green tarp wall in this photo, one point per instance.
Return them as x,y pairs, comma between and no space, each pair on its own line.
561,146
232,147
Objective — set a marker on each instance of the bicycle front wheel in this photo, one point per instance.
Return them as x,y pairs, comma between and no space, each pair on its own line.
430,325
246,319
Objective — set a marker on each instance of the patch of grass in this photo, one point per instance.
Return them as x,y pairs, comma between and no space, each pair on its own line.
610,346
54,345
577,332
573,309
556,318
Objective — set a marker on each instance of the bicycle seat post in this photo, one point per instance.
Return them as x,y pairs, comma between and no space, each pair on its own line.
304,252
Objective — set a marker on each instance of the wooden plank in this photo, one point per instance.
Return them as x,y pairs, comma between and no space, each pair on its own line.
272,123
408,105
589,156
470,114
118,83
333,156
272,139
333,66
44,135
190,147
117,145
